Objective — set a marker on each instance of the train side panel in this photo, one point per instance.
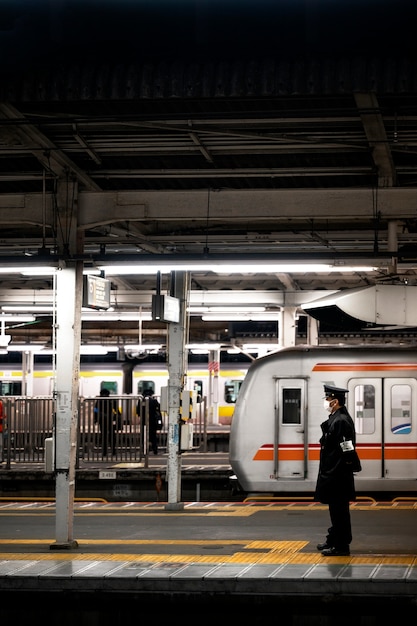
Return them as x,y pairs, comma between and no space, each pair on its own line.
274,440
219,390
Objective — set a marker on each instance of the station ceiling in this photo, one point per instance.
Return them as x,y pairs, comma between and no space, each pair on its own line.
304,151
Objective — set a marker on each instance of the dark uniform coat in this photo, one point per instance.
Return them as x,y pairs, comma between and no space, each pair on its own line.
335,479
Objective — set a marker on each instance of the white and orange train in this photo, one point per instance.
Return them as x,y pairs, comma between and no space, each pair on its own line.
274,438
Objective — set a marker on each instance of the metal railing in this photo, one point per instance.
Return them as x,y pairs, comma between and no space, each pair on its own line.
29,423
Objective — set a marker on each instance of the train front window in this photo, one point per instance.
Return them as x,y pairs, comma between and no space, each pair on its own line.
10,388
231,391
401,409
144,385
198,387
111,385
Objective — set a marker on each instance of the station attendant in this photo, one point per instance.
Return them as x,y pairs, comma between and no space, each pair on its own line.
338,462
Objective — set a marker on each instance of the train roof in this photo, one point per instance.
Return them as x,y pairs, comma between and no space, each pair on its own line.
333,349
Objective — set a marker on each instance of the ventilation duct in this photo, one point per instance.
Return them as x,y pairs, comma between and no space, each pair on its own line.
380,305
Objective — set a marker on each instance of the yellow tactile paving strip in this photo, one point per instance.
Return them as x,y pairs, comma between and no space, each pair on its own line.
247,552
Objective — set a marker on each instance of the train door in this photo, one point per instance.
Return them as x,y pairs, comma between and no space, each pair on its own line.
400,433
364,403
290,432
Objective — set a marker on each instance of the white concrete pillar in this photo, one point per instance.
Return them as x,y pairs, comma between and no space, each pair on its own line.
69,299
287,326
177,368
27,373
312,331
213,397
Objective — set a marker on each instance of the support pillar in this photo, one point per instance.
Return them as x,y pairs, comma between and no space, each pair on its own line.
27,373
69,299
177,360
213,392
287,326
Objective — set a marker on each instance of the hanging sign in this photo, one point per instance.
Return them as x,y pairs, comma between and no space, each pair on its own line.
96,292
165,309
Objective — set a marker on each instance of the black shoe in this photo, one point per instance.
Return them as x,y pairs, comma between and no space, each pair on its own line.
323,546
336,552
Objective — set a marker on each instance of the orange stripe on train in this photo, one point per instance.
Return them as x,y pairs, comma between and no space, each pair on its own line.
363,367
367,452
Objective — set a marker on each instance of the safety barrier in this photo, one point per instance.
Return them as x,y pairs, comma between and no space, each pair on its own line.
29,428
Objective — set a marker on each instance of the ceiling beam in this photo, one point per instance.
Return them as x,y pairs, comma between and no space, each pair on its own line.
51,158
373,124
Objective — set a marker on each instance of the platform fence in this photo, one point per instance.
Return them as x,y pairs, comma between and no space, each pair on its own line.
28,430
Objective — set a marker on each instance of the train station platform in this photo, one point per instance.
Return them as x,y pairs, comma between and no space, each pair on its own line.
204,476
204,560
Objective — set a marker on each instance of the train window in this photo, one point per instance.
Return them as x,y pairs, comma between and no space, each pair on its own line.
291,406
10,388
364,414
111,385
401,409
198,387
144,385
231,391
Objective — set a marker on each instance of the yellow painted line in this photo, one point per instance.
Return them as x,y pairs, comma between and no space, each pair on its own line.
275,558
47,499
99,506
25,509
147,542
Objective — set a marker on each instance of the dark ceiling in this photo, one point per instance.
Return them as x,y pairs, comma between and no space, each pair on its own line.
285,129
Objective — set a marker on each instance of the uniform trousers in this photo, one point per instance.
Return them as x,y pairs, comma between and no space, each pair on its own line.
340,532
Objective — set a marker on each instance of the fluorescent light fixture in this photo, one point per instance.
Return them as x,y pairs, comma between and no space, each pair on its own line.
195,310
88,349
114,316
220,266
203,346
96,349
290,268
4,339
260,347
25,347
142,347
99,350
33,308
29,270
227,267
241,317
86,314
38,271
122,270
17,318
88,271
41,270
